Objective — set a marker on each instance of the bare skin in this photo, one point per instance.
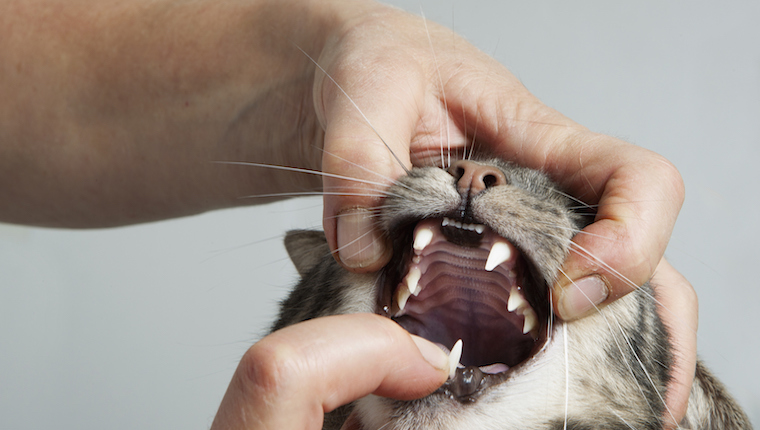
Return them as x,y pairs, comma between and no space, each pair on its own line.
113,113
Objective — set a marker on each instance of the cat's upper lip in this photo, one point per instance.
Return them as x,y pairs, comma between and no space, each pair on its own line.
463,281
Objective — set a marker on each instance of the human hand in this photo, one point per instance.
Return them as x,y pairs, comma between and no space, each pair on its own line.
289,379
418,92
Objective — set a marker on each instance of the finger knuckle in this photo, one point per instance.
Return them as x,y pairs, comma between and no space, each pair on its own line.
267,367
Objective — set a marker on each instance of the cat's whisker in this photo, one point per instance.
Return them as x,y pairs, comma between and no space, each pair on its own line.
443,91
571,197
351,100
474,135
370,215
588,255
580,250
301,170
600,205
362,236
387,178
571,229
614,412
567,368
620,348
309,193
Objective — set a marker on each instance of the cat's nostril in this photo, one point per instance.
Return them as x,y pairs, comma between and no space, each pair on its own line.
473,178
490,181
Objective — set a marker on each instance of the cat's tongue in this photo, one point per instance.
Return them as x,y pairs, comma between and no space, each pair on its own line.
464,282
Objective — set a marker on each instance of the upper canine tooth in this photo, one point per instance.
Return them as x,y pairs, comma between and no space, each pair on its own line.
445,222
500,253
480,228
516,300
454,357
412,280
422,238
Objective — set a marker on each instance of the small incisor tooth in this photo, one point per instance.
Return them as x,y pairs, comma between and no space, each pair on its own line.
516,300
422,238
531,320
500,253
412,280
454,356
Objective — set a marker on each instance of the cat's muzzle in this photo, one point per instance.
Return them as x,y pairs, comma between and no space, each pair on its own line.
460,280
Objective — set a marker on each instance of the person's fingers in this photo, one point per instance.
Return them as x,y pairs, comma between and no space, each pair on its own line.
635,193
292,377
679,311
637,196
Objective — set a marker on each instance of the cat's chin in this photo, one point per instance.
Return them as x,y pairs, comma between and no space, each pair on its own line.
452,279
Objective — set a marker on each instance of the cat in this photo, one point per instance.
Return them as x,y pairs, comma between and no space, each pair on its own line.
476,247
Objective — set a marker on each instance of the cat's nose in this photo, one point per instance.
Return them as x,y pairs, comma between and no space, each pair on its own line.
472,177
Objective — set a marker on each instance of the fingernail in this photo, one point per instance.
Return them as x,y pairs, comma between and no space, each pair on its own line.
432,354
580,297
359,243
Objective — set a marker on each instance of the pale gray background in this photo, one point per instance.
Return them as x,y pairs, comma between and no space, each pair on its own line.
142,327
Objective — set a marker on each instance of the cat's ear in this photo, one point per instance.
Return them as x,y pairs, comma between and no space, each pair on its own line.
306,248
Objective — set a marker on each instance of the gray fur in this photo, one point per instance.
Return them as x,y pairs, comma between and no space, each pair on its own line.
618,358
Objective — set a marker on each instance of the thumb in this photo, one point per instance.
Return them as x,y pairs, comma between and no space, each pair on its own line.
368,129
292,377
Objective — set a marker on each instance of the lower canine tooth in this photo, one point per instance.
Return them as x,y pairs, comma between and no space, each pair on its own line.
500,253
412,280
516,300
454,357
531,320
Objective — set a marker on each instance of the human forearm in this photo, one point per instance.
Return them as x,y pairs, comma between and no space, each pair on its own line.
115,113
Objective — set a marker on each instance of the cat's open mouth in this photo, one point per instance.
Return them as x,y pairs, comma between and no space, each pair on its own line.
463,281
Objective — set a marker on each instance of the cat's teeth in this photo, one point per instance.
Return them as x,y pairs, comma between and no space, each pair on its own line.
478,228
454,356
531,320
402,295
500,252
422,238
412,280
516,300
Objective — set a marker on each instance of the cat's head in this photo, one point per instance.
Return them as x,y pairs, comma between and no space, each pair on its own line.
476,248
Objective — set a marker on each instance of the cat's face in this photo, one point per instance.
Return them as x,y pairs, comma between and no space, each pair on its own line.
476,247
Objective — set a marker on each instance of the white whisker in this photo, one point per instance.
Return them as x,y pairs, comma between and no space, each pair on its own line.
567,373
615,339
310,193
632,349
369,123
390,180
301,170
443,92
